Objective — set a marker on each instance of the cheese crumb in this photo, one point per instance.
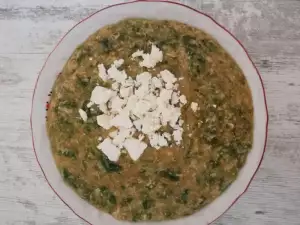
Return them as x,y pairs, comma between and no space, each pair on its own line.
113,134
134,147
194,106
102,72
116,75
109,149
83,115
101,95
89,105
121,120
182,99
149,60
118,63
104,121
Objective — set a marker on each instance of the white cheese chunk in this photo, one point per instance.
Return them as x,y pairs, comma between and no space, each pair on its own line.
117,75
149,60
129,82
165,95
194,106
182,99
167,136
177,136
113,134
143,78
89,105
109,149
117,104
102,72
103,108
137,54
83,115
118,62
125,92
134,147
138,124
175,98
121,120
157,141
101,95
115,86
104,121
121,136
168,77
141,137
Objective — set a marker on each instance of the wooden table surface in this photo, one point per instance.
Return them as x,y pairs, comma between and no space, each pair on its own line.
269,29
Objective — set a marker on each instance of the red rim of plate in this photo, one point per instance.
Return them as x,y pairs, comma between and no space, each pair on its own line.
163,1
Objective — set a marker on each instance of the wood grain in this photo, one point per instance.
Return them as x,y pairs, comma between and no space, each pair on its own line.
269,29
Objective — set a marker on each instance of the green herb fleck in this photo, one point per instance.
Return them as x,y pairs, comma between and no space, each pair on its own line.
108,165
184,196
67,153
147,203
169,174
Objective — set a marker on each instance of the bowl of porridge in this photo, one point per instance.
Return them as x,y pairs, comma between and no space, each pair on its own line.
143,116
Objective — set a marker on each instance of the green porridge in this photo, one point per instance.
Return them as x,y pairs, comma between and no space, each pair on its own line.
173,181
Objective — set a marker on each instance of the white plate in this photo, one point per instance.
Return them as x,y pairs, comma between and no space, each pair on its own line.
152,10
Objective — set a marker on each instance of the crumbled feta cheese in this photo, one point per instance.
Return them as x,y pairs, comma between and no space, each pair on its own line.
104,121
167,136
175,98
169,86
149,60
141,108
83,115
118,63
168,77
165,95
182,99
157,141
121,120
102,72
121,136
109,149
103,108
137,54
117,104
138,124
194,106
142,104
117,75
125,92
143,78
129,82
101,95
134,147
115,86
89,105
177,136
141,137
113,134
175,87
156,82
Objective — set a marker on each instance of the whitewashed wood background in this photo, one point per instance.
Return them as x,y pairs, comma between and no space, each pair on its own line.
270,30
